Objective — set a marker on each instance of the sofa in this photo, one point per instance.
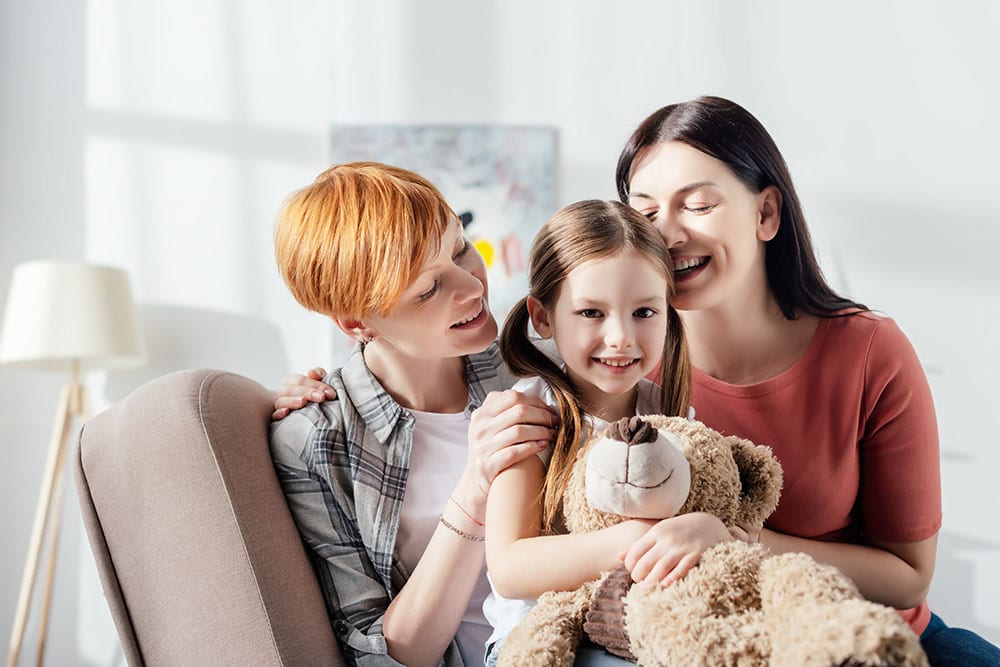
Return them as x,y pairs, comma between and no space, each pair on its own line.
199,558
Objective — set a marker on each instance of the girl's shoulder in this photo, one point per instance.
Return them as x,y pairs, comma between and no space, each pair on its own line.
536,386
649,399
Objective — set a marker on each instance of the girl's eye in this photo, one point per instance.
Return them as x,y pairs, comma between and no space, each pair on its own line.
644,313
429,293
590,313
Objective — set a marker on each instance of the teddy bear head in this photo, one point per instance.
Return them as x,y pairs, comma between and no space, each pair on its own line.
655,467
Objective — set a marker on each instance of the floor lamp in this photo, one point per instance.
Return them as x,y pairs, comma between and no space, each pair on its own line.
69,317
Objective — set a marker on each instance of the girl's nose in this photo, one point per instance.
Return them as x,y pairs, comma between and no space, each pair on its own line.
617,334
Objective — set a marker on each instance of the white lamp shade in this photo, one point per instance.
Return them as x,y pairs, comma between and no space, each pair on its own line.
61,311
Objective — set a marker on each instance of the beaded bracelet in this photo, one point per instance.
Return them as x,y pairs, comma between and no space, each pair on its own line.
461,533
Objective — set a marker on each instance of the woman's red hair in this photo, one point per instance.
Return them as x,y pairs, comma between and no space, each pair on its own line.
349,244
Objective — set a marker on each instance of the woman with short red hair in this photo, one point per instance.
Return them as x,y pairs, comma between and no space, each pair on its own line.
387,482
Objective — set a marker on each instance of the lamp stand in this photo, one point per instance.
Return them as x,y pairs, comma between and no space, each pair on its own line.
47,516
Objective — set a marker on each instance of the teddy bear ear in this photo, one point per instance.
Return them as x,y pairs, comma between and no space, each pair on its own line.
760,479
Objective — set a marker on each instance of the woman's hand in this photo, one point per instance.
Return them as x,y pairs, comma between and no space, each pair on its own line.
297,390
673,546
508,427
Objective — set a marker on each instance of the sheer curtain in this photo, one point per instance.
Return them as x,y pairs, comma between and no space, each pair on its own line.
200,118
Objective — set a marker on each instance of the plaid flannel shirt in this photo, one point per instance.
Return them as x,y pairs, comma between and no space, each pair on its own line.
343,465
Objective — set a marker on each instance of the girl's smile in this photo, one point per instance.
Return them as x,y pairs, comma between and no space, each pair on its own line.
617,365
609,322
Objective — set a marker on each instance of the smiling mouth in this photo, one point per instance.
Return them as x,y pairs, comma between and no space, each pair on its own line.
471,318
617,363
686,266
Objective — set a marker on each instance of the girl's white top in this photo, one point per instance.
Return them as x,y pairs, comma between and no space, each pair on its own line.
503,613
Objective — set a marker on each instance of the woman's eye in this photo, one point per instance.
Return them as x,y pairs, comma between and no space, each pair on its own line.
698,208
429,293
650,215
644,313
464,250
590,313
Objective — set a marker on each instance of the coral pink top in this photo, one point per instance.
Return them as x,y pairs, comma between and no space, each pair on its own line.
853,425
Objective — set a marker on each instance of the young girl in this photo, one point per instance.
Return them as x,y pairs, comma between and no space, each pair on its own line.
600,286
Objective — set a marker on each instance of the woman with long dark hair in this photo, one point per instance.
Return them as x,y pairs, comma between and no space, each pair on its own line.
780,358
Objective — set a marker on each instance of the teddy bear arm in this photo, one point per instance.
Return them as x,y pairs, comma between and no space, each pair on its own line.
816,616
550,634
710,617
760,479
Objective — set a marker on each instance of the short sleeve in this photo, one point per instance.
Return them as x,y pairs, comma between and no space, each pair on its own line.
900,453
536,386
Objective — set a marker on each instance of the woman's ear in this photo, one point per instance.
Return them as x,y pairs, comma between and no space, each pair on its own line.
770,213
355,329
539,317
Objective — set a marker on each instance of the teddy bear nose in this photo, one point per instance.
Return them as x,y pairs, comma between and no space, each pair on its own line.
632,431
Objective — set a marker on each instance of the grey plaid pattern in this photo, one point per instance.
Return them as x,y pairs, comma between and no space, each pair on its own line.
343,465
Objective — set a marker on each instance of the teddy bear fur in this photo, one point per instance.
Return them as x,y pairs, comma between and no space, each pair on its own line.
742,605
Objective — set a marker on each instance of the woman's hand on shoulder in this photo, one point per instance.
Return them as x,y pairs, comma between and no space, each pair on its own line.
671,547
508,427
298,390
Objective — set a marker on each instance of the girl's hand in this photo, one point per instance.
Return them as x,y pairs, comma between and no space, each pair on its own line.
297,390
747,532
508,427
673,546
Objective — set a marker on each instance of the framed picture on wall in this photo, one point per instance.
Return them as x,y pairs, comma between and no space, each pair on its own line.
500,180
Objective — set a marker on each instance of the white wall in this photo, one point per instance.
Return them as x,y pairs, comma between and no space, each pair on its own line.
161,137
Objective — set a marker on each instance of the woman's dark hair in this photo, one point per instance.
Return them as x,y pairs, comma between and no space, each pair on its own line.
729,133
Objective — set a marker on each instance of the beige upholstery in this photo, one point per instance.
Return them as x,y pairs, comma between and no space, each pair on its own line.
200,560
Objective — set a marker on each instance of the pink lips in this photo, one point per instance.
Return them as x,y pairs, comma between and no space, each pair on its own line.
684,275
475,322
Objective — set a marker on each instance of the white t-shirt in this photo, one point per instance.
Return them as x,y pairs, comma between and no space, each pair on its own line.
440,450
503,613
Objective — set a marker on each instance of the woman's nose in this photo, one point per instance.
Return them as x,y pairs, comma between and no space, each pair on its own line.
672,230
469,286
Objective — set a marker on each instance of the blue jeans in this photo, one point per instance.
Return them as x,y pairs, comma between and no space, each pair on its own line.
946,646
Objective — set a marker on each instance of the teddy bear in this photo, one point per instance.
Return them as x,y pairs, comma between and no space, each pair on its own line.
741,605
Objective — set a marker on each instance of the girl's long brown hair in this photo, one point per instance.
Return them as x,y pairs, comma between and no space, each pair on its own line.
579,233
